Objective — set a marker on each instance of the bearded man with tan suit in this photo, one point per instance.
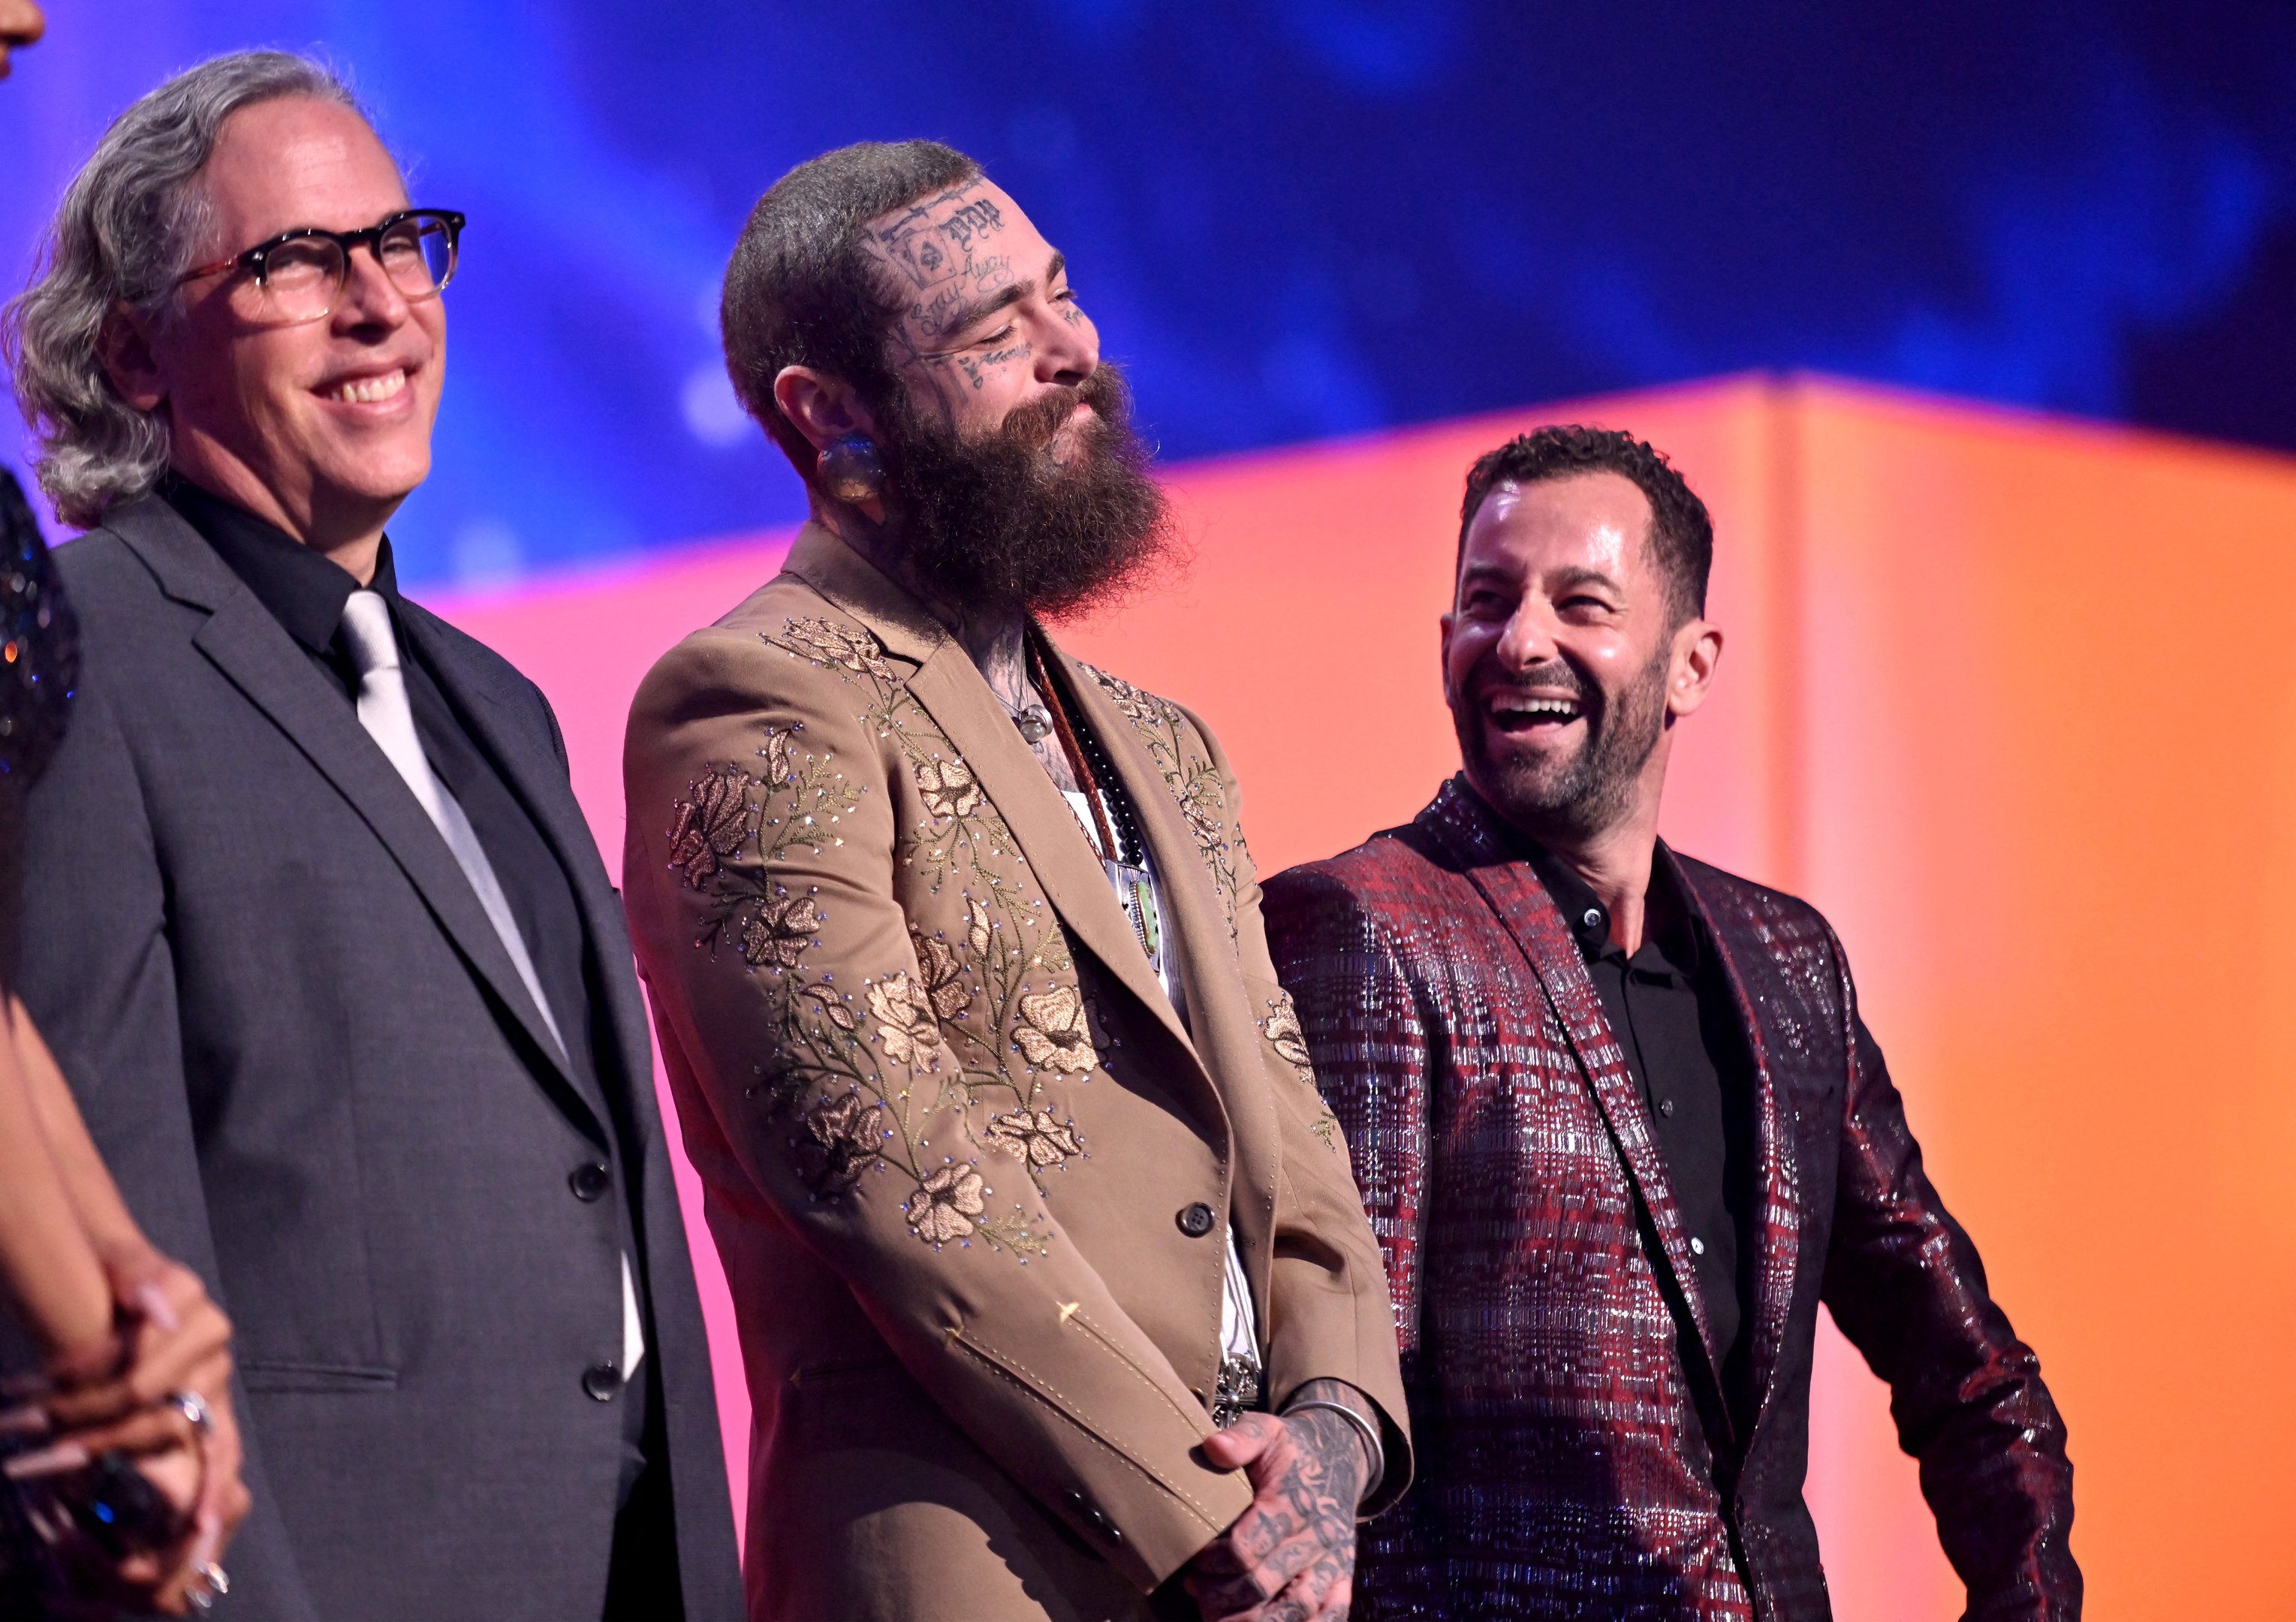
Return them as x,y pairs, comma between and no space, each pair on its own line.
1028,1203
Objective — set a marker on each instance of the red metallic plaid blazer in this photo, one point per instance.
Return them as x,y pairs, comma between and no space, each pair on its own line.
1555,1351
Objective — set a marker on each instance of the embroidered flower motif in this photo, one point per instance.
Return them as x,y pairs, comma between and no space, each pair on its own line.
1052,1032
948,788
833,1008
1203,807
944,1203
835,645
976,934
775,935
944,977
1284,1032
904,1022
776,757
842,1135
710,825
1035,1137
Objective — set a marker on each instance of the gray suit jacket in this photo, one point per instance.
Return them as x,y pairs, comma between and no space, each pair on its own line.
305,1055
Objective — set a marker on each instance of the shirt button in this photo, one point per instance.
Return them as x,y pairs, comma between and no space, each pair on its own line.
1697,1247
1592,918
1666,1106
1195,1220
603,1381
589,1181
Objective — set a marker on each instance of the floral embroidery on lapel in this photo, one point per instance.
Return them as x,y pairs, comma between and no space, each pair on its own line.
1282,1028
1189,774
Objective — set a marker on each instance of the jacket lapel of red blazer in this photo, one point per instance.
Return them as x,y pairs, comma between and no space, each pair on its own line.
1531,920
1778,1231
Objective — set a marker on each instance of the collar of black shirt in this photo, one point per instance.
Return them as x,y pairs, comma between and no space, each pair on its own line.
305,590
1672,936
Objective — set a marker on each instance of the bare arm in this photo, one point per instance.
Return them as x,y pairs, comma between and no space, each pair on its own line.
47,1262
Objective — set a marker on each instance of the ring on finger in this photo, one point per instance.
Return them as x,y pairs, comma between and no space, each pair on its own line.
193,1407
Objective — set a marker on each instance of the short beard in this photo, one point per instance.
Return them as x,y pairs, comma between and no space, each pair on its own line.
1591,791
993,525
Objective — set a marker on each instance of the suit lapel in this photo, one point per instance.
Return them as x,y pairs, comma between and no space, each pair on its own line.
491,710
1227,1037
1777,1234
251,649
952,691
1532,923
957,697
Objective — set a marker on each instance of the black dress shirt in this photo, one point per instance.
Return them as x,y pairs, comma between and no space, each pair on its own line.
305,592
1671,1011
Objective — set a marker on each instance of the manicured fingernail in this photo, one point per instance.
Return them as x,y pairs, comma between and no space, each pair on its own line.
31,1420
155,1306
46,1461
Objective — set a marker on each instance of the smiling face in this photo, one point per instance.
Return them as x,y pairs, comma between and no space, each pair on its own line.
1561,660
322,426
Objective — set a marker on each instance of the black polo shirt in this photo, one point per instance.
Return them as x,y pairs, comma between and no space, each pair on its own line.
305,592
1670,1009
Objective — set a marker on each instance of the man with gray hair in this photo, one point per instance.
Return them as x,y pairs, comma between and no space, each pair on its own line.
314,919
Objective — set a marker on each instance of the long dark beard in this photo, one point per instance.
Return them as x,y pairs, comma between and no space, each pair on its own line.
1580,797
993,524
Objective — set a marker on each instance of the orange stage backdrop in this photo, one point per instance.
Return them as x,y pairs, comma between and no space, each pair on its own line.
2014,701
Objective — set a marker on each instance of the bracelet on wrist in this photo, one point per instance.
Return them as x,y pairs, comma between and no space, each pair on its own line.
1375,1455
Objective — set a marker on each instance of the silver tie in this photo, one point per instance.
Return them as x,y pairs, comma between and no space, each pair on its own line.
389,720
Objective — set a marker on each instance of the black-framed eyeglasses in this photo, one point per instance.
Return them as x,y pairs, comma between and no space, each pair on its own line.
299,274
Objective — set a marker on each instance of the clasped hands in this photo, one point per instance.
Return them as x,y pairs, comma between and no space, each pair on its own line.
1291,1557
124,1395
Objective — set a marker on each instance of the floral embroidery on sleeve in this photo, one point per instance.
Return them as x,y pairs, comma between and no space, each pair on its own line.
723,812
1282,1028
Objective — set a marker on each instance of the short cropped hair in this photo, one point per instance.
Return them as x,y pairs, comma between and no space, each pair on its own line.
801,291
1681,533
123,233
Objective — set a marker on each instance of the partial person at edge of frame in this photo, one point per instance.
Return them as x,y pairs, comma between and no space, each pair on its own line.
120,1481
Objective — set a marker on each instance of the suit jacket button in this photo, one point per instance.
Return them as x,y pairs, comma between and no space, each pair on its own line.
1195,1220
603,1381
589,1181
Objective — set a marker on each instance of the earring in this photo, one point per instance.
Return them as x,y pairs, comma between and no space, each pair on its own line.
849,470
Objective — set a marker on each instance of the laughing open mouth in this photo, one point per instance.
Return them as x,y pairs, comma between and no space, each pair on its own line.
1524,713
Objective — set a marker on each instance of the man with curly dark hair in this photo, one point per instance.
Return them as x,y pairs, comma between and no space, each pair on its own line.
1621,1129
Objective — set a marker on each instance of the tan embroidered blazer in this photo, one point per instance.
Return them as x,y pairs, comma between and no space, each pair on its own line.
952,1135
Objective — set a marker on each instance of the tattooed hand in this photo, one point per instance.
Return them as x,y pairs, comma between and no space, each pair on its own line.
1291,1556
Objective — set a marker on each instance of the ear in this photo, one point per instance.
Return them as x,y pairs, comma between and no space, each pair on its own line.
825,408
1690,678
124,344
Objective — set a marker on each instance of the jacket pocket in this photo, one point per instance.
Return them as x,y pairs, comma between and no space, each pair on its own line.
342,1378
